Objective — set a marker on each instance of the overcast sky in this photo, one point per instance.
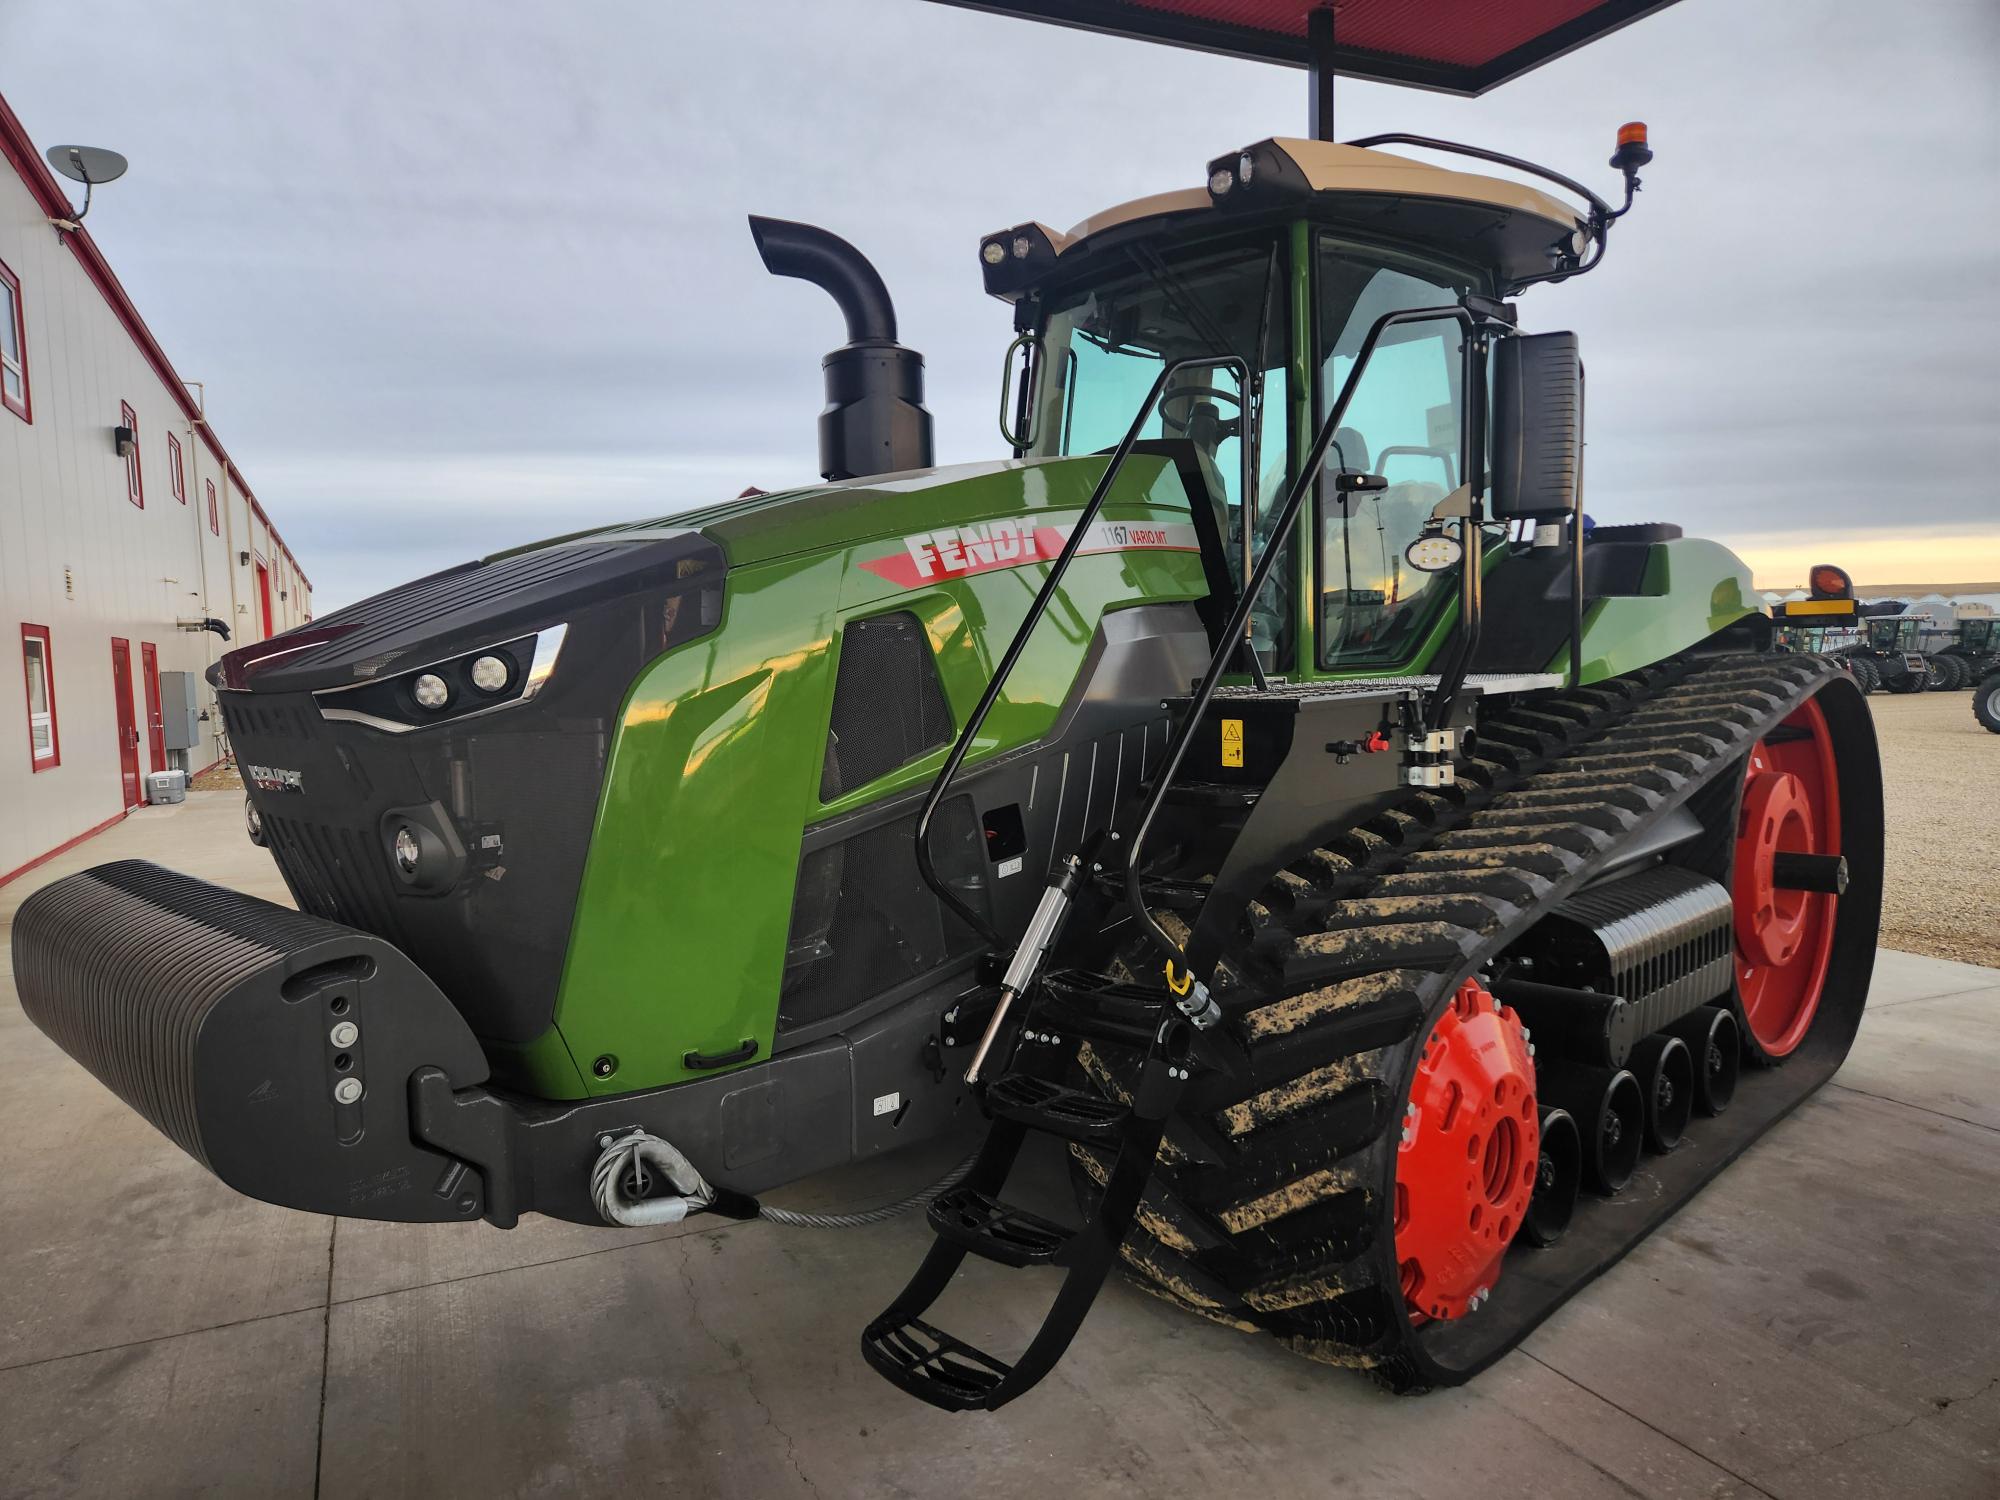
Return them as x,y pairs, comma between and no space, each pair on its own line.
458,274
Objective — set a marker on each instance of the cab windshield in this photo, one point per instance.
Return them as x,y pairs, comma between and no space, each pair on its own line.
1105,345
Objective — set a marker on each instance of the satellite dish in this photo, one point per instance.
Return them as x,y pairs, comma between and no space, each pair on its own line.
88,165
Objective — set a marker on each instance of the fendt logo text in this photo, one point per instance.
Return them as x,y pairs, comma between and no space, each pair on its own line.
958,551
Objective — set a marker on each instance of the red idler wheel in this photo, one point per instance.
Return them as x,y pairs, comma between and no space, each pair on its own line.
1468,1162
1791,805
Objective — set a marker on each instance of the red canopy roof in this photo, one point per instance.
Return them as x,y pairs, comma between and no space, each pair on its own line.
1454,46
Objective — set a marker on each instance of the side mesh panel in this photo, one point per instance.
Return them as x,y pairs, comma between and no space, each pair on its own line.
854,938
888,705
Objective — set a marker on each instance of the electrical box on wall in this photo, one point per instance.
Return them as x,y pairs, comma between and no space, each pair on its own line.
180,708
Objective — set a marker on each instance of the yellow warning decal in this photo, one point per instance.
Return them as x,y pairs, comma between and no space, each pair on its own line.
1232,742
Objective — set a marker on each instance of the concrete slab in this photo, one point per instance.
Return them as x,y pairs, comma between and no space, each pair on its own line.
1836,1282
1902,977
725,1364
1818,1322
109,1233
229,1411
1915,1053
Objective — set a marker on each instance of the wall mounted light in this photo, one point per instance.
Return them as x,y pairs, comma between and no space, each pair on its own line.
121,439
243,559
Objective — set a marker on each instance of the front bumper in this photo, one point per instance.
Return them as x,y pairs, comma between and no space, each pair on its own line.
223,1020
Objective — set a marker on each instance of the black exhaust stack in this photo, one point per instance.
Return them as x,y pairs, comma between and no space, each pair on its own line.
875,421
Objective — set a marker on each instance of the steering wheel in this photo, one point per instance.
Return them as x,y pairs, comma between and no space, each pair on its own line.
1195,393
1225,428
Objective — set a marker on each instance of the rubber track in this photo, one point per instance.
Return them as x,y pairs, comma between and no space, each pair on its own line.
1266,1208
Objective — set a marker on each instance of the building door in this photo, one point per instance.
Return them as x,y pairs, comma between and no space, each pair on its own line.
156,724
128,732
264,597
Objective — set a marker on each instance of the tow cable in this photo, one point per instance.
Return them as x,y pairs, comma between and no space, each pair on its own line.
621,1182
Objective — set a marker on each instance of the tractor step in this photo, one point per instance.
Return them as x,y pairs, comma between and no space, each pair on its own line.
1073,1114
973,1219
931,1365
998,1231
1086,1004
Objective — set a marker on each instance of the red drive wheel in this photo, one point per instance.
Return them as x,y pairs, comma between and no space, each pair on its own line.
1468,1161
1791,805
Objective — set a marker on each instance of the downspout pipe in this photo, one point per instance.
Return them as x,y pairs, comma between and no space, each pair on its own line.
875,421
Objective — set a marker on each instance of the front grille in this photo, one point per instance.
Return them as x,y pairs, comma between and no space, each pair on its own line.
336,874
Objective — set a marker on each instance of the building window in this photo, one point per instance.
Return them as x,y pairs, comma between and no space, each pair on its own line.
44,748
13,347
135,483
176,480
214,521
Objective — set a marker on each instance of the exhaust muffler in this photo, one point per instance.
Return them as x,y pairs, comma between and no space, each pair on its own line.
875,421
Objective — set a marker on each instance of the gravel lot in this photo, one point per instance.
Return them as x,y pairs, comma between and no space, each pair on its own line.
1941,776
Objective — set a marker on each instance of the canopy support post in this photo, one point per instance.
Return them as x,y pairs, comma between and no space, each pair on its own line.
1319,73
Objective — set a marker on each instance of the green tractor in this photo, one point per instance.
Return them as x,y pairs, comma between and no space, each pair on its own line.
1257,781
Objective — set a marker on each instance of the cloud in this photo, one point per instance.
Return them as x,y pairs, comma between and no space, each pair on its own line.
453,270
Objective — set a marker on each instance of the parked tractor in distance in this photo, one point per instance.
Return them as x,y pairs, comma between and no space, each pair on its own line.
1971,650
1255,780
1986,702
1891,649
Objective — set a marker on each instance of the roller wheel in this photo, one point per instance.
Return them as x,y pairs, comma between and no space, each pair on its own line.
1790,805
1986,703
1711,1036
1558,1175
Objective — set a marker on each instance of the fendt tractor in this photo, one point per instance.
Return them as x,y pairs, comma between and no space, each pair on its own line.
1256,782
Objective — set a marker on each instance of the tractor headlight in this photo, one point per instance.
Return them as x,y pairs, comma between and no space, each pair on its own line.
489,674
481,681
409,853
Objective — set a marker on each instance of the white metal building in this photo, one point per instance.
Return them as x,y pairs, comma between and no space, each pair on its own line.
124,527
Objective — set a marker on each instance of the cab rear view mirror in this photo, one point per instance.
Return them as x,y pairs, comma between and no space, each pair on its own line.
1537,406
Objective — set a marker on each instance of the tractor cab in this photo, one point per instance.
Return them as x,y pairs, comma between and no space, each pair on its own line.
1894,633
1249,300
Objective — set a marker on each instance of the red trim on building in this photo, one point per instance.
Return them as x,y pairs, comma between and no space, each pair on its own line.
19,149
214,521
25,407
176,475
63,848
54,757
135,478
